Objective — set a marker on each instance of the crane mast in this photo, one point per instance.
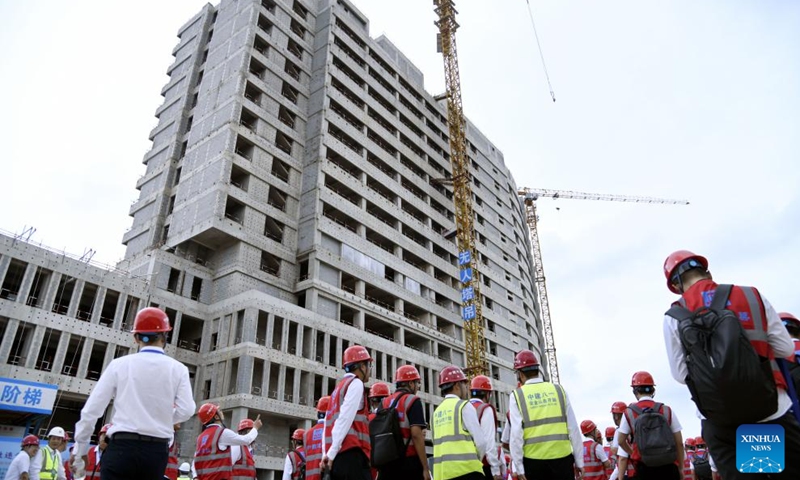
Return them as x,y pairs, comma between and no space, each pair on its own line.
471,301
529,197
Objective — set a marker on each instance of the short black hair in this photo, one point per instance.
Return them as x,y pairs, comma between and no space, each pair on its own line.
644,390
149,338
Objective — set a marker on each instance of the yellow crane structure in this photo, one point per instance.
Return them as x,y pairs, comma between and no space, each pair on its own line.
471,301
529,197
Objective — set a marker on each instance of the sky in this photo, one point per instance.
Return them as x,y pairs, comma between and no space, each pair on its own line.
682,99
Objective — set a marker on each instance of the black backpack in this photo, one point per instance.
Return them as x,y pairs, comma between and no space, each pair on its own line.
722,363
653,435
702,467
385,436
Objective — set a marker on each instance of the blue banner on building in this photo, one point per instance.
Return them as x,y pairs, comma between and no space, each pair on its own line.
24,396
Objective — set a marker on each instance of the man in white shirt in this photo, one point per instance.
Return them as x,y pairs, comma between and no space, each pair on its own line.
481,391
19,469
151,393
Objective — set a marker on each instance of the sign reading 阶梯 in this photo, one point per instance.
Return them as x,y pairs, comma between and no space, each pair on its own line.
760,448
23,396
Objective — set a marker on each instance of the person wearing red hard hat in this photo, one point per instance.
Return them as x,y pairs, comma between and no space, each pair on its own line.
95,454
481,389
689,450
546,441
725,402
210,461
617,410
644,390
20,466
611,434
244,465
411,413
151,393
346,425
172,460
595,460
313,441
377,392
295,462
458,441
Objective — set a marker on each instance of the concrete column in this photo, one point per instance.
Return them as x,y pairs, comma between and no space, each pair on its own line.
400,336
244,380
224,330
237,415
27,281
85,355
98,304
36,344
269,341
52,290
5,261
61,352
358,320
338,352
398,305
360,288
326,349
7,344
285,336
265,379
176,328
76,298
250,325
119,313
281,382
109,355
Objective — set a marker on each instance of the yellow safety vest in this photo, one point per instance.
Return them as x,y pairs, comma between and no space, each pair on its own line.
50,462
454,451
544,421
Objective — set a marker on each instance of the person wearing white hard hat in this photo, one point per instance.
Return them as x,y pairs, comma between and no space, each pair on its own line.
47,464
184,471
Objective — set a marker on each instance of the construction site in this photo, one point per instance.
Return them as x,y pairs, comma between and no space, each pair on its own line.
303,193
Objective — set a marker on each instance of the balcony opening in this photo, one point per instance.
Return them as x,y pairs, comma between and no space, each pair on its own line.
417,342
109,308
348,283
261,328
197,287
47,353
257,68
414,235
245,148
299,9
341,88
72,357
64,294
347,140
339,217
269,5
131,307
348,51
171,205
297,29
252,93
177,176
280,170
233,377
264,25
96,358
191,333
414,261
303,274
350,33
345,115
286,116
277,333
249,120
260,45
380,328
270,263
276,198
240,178
288,386
274,229
40,283
284,143
342,190
381,165
21,347
235,210
381,215
380,297
348,72
380,241
13,280
343,164
292,70
258,377
347,315
173,283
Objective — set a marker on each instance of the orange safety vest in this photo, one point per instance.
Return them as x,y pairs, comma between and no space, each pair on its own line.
593,468
358,434
210,462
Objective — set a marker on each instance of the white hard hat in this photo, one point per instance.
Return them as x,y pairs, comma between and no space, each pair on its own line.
57,432
184,467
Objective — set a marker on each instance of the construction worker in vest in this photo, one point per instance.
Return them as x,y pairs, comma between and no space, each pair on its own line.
481,391
546,441
48,462
172,460
595,460
151,393
346,425
689,448
313,441
411,413
644,390
611,433
687,275
617,410
244,465
458,441
212,460
20,466
701,451
296,458
184,471
95,453
377,392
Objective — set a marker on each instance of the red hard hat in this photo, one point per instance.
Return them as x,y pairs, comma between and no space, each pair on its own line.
245,424
30,440
481,382
788,317
525,358
642,379
355,354
690,441
699,441
406,373
298,434
675,259
451,374
206,412
610,432
379,390
588,426
324,404
618,407
151,320
105,428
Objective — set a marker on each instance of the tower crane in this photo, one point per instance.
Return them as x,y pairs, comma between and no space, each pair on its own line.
529,197
471,302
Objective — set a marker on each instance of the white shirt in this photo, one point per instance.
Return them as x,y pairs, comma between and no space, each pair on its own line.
353,399
21,464
151,393
489,426
516,440
287,469
37,462
625,429
229,438
36,465
505,436
600,453
469,419
777,337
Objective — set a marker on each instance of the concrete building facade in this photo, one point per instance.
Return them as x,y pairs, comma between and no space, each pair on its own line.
290,208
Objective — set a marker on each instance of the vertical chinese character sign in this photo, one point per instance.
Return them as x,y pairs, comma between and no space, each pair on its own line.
467,292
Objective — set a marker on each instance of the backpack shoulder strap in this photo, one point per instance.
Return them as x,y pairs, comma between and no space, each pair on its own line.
721,296
665,411
679,313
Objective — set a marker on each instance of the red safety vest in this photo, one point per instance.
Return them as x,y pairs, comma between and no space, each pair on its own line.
297,456
611,458
210,462
631,416
482,407
245,467
92,465
687,466
746,303
593,468
358,434
403,405
313,446
172,462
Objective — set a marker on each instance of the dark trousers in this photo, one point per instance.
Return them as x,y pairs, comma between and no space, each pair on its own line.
487,472
721,443
664,472
407,468
350,465
471,476
134,460
557,469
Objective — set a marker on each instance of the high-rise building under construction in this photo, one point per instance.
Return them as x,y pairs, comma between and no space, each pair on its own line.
293,204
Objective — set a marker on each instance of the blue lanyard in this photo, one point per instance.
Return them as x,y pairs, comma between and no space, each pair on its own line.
153,351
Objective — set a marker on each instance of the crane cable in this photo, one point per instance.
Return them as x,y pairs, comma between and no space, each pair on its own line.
541,54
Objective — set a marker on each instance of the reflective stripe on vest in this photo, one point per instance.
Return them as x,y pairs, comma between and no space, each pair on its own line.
746,303
687,466
592,466
50,461
297,457
210,463
544,421
358,434
611,458
402,414
172,462
313,446
245,467
92,464
480,408
454,450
